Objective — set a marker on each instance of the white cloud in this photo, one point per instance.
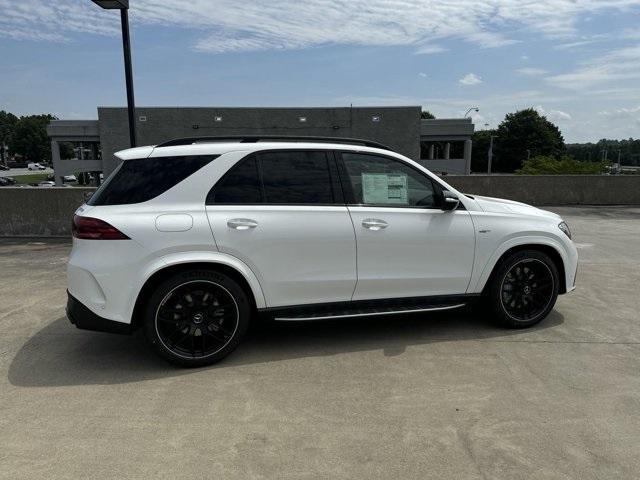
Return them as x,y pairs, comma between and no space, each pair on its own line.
429,49
423,75
553,115
470,79
617,65
229,25
41,20
630,34
623,112
531,72
584,41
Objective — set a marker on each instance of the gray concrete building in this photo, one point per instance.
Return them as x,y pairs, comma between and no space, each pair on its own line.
443,145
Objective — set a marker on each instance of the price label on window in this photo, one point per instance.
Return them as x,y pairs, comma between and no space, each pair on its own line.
384,188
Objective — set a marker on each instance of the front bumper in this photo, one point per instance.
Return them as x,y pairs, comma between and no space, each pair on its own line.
85,319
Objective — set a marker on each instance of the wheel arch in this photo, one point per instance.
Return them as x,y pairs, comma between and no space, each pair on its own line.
238,272
545,247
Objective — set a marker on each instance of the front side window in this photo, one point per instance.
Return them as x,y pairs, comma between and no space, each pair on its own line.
278,177
383,181
139,180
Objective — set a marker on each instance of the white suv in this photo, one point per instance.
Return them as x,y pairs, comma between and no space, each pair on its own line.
192,239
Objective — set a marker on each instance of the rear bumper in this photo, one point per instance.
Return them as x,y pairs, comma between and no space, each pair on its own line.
85,319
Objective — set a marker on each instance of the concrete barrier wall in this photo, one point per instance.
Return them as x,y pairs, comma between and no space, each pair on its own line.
553,189
39,212
48,211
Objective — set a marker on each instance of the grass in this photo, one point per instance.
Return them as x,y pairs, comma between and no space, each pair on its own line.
30,178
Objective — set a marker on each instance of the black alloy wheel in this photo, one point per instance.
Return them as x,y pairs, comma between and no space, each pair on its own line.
524,289
527,289
197,318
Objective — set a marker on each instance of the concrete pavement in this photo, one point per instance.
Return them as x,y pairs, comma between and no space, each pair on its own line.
429,396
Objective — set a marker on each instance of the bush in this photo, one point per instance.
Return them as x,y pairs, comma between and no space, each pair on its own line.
545,165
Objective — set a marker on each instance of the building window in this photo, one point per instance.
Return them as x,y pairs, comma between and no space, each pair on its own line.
441,150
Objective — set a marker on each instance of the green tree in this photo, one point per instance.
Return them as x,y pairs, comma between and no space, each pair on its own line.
480,150
7,125
627,150
30,138
525,134
66,150
547,165
427,115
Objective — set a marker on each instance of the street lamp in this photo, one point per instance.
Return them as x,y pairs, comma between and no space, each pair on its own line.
490,154
472,109
123,6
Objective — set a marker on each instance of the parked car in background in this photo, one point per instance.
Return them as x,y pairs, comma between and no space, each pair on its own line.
47,183
69,179
36,166
7,181
4,167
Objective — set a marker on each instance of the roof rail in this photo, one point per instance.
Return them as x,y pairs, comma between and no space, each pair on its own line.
258,138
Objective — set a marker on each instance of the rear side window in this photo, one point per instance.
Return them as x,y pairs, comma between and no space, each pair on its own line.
287,177
296,177
241,185
136,181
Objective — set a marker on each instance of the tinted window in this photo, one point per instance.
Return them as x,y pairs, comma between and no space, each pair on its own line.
296,177
241,185
287,177
136,181
378,180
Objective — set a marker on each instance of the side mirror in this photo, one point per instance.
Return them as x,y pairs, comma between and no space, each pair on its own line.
450,201
87,196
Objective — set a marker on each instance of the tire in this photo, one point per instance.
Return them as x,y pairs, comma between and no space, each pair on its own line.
196,318
524,289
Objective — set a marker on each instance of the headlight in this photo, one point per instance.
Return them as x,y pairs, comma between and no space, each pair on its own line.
565,228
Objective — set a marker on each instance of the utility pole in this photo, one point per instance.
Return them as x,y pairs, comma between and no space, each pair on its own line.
490,154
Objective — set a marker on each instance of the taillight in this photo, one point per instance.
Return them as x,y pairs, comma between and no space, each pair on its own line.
88,228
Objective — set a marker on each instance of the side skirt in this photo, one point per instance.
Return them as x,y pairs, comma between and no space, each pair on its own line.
366,308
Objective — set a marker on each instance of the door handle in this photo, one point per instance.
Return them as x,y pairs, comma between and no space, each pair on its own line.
241,223
374,224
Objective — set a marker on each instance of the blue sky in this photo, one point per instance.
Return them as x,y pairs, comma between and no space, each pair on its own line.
576,61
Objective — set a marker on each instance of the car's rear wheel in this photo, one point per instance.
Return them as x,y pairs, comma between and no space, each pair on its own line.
196,317
524,289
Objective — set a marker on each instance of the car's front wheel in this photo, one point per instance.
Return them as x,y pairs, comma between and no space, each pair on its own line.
524,289
196,317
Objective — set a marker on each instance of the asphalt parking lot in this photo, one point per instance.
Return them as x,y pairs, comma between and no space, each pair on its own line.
430,396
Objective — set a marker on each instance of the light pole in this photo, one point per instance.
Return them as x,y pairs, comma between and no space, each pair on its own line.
472,109
490,154
123,6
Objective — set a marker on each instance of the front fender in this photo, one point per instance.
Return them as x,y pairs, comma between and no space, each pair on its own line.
484,271
181,258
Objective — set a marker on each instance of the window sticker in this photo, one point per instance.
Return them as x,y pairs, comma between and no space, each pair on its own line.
384,188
